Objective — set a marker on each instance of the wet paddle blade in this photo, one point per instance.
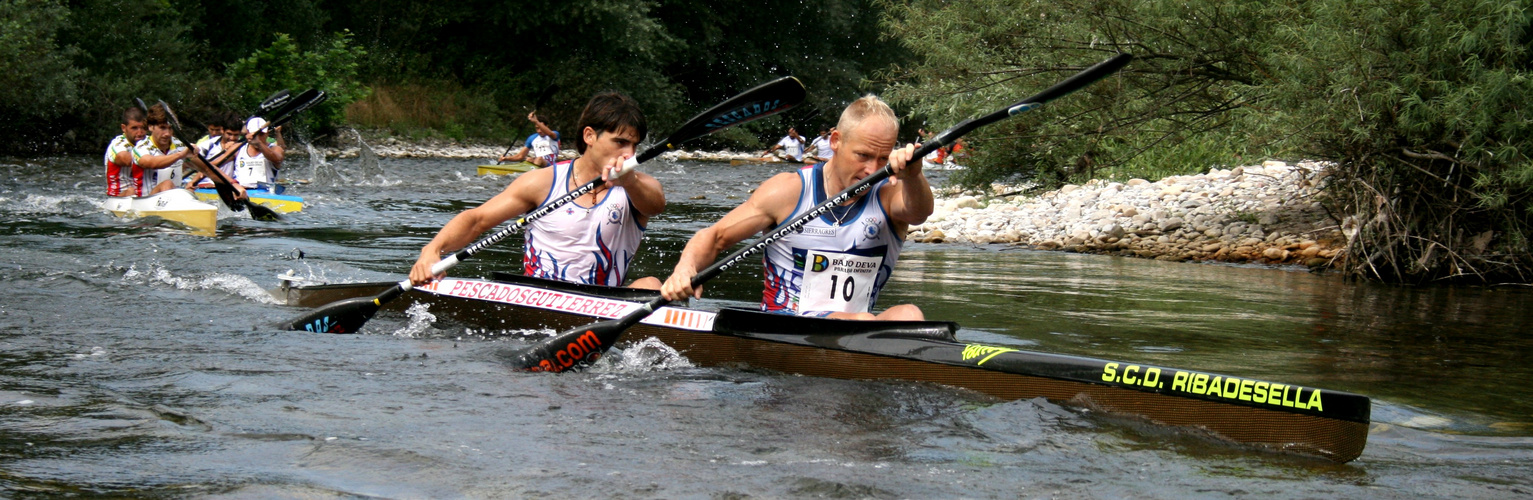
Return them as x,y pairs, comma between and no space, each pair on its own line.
572,349
262,213
759,102
274,101
346,316
308,99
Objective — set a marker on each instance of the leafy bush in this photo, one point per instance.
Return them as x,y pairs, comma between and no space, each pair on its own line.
1190,100
283,65
1423,105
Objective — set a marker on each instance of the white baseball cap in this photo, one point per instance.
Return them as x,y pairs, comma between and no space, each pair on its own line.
255,124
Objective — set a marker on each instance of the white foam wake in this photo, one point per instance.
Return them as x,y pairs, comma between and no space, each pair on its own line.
233,284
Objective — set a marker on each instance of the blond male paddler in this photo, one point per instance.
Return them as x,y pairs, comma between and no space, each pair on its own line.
593,238
836,266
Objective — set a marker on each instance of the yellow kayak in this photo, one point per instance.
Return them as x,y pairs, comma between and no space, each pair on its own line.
175,205
281,203
510,168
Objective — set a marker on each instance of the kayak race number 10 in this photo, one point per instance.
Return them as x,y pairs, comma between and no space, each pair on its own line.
835,281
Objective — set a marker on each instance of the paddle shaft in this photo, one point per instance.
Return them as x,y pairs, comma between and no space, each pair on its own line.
582,345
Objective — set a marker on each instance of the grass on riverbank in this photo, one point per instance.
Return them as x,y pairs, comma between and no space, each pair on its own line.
435,111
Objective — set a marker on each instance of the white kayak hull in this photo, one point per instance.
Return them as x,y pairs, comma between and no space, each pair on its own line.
176,205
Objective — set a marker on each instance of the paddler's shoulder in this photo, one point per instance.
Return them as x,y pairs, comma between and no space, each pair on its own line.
533,183
783,187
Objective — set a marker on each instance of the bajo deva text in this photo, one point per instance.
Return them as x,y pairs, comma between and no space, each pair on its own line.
1239,389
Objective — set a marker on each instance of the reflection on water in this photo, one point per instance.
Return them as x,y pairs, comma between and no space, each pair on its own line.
137,360
1447,350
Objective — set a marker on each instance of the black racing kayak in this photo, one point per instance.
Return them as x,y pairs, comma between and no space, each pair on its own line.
1270,415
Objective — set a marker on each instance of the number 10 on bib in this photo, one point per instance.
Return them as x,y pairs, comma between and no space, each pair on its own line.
835,281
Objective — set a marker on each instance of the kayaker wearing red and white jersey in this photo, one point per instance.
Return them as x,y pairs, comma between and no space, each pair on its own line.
837,264
594,237
123,177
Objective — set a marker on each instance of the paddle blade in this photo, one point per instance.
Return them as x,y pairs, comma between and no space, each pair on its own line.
571,350
262,213
273,102
760,102
308,99
1076,82
346,316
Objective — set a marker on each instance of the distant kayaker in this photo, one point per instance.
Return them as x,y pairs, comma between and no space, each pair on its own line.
257,164
220,152
821,147
594,237
792,146
837,264
541,148
123,176
159,154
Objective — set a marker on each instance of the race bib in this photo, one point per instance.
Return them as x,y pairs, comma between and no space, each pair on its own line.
835,281
543,147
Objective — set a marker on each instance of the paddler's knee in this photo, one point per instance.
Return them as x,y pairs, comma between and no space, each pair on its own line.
647,283
902,312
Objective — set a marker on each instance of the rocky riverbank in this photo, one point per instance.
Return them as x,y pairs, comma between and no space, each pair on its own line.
393,147
1261,213
1264,213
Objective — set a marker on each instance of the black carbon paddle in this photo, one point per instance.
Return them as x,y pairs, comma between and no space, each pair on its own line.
347,316
577,348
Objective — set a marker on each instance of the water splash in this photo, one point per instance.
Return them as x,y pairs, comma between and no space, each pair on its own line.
648,355
421,320
233,284
321,172
368,169
48,204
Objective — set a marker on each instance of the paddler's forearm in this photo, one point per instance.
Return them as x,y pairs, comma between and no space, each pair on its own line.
917,197
160,161
700,251
458,233
273,154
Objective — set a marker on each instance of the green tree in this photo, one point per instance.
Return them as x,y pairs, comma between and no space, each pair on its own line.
331,67
127,49
1192,98
1422,105
39,79
1425,108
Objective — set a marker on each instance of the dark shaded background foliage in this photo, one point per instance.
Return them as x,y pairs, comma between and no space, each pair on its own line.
1422,105
73,65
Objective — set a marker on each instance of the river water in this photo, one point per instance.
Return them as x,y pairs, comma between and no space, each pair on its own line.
138,361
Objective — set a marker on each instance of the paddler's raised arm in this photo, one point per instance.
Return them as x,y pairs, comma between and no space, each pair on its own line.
909,195
772,203
521,196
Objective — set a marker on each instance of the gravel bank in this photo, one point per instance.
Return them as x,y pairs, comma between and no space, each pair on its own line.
1263,213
